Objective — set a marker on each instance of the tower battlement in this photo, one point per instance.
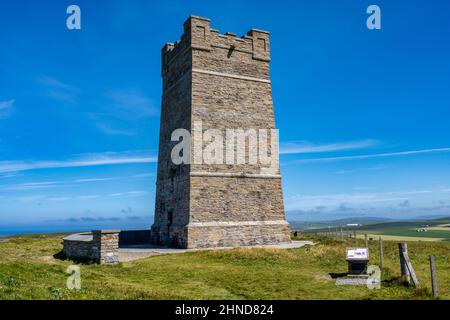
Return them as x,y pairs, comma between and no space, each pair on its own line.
198,35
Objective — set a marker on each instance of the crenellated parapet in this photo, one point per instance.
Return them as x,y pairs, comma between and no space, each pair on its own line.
198,35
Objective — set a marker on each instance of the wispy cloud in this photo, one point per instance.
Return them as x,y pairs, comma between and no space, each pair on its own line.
110,130
143,175
44,183
84,160
93,180
58,199
88,219
130,104
65,183
32,198
357,198
59,90
129,193
297,147
120,108
371,156
374,168
32,185
306,201
6,108
88,197
10,175
40,198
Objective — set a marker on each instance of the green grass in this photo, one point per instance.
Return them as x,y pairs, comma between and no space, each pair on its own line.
29,271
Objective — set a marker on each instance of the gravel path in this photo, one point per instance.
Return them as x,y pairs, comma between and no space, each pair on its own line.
144,251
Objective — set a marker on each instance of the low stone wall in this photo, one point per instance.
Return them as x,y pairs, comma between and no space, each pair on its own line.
100,246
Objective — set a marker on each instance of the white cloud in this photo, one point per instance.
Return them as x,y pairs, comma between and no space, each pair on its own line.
65,183
357,198
130,104
136,193
58,90
93,180
85,160
88,197
58,199
143,175
374,168
6,108
32,185
44,183
42,198
371,156
110,130
121,108
129,194
10,175
297,147
31,198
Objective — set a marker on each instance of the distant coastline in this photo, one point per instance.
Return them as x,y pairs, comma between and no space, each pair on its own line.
306,224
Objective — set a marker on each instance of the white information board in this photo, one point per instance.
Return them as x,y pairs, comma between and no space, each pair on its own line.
357,254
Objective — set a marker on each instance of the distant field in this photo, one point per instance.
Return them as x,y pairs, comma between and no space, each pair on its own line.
440,228
400,232
437,230
376,236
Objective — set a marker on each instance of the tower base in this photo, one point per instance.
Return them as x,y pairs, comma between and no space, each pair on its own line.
224,234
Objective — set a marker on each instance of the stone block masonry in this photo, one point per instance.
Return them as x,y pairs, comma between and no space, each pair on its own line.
79,247
105,246
224,82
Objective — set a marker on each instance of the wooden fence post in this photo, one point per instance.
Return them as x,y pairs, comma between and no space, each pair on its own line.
434,286
366,240
411,271
403,248
381,254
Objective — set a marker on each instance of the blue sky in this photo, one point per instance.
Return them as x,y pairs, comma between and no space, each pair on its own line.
363,114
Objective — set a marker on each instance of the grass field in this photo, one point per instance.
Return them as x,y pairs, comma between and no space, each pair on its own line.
441,228
28,270
408,231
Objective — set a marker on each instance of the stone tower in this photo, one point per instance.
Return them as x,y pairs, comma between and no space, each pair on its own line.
222,82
